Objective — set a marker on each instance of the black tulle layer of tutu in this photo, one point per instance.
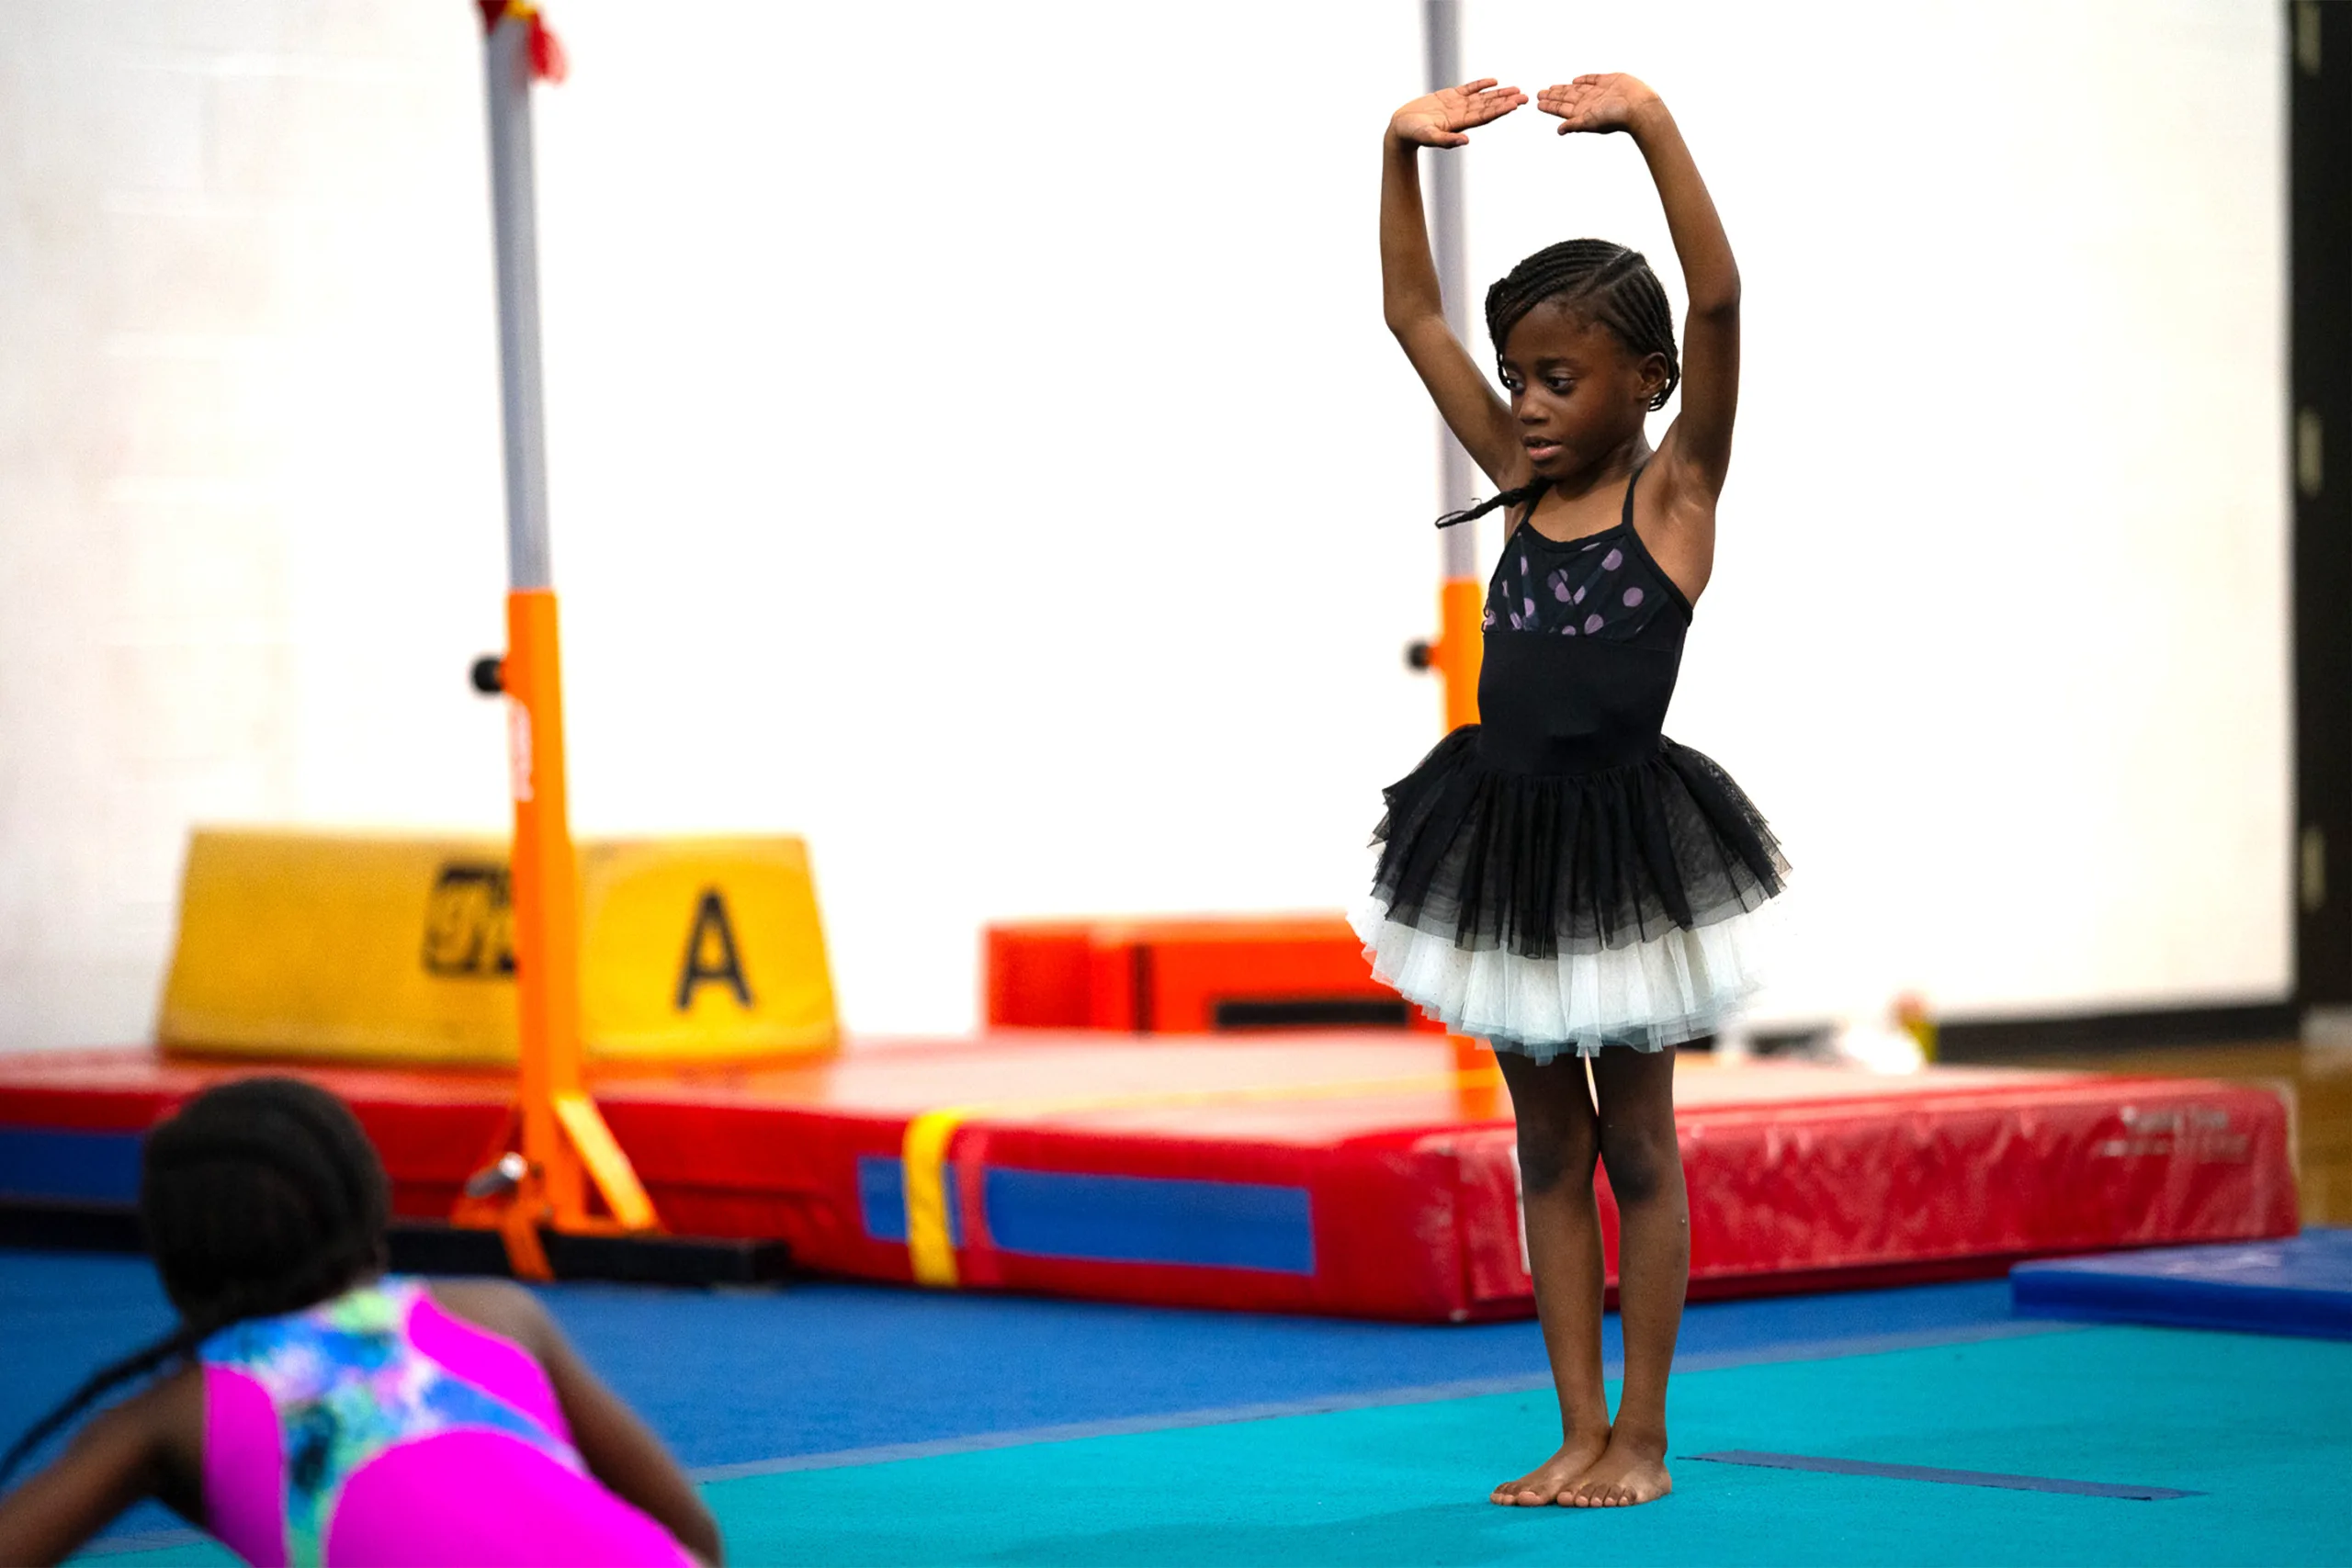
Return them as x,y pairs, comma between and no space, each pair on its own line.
1543,865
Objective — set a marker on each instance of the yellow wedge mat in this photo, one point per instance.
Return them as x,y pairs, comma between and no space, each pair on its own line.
383,948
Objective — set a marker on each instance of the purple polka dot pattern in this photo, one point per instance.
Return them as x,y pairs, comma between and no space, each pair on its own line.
1541,585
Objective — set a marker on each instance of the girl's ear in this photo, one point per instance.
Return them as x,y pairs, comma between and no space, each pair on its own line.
1653,373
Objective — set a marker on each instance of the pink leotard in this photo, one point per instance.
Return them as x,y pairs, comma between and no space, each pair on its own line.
377,1431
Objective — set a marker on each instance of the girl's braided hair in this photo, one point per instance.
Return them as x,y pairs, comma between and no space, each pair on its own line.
258,1197
1611,285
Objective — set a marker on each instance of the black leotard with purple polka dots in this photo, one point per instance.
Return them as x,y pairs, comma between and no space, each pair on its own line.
1564,828
1583,644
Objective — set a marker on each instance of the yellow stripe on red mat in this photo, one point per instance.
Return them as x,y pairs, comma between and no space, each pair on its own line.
931,1248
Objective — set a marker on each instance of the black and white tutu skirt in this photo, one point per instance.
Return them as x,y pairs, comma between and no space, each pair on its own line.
1548,913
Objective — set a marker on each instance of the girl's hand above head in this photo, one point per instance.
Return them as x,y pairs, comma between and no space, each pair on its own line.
1438,119
1599,104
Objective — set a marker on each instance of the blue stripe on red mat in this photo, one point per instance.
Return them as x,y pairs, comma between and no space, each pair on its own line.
84,1168
882,1198
1114,1219
1944,1477
1135,1219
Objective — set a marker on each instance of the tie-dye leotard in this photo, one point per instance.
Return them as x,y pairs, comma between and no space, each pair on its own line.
377,1428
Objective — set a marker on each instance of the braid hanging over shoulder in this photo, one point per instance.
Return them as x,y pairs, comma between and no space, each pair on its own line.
1477,508
258,1197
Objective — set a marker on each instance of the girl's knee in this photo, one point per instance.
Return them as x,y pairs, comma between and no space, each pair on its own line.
1642,1164
1551,1155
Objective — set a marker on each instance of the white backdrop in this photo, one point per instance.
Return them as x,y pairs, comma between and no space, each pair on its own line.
974,446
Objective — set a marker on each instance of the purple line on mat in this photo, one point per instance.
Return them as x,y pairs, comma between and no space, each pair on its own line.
1946,1477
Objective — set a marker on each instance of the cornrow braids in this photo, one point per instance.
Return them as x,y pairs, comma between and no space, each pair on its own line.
1611,284
258,1197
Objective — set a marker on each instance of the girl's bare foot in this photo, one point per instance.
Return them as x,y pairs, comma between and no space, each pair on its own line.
1631,1470
1546,1482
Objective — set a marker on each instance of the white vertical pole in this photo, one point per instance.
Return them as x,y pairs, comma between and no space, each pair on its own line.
506,55
1441,33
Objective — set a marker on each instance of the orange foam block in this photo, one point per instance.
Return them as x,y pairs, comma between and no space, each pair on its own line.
1185,977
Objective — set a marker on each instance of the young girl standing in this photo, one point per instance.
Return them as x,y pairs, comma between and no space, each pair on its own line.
314,1409
1560,879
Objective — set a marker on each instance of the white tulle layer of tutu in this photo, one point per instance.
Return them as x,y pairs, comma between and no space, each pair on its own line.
1678,986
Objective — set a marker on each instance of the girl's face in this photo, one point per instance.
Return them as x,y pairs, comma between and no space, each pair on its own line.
1579,394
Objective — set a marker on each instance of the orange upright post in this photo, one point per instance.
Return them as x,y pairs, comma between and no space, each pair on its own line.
1461,642
547,898
566,1148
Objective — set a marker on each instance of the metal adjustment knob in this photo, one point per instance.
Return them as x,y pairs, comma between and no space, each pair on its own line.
499,1180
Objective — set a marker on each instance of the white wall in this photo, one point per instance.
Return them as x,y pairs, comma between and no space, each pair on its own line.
1999,633
973,445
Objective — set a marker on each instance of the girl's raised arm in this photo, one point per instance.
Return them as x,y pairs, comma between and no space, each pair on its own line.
1408,285
1696,452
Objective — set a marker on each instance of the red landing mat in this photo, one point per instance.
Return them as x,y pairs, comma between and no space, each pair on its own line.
1357,1174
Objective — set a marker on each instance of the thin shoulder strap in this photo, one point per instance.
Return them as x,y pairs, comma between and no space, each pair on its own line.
1534,494
1630,483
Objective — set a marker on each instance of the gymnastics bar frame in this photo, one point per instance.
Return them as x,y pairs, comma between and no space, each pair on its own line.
1455,654
566,1146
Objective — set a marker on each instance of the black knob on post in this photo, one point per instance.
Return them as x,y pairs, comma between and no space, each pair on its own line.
490,675
1417,655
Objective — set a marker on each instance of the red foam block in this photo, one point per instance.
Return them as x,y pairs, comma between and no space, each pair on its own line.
1798,1175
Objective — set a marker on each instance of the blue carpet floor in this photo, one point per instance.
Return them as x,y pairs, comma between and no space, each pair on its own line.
849,1424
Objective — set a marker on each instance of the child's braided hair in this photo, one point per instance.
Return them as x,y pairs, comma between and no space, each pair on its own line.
258,1197
1609,284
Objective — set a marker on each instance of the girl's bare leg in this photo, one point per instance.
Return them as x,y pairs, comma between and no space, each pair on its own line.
1635,1089
1559,1141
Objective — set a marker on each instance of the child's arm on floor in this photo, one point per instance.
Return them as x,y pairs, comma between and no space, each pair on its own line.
1408,285
126,1452
621,1451
1696,452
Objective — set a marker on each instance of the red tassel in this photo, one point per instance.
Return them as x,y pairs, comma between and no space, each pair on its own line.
548,63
